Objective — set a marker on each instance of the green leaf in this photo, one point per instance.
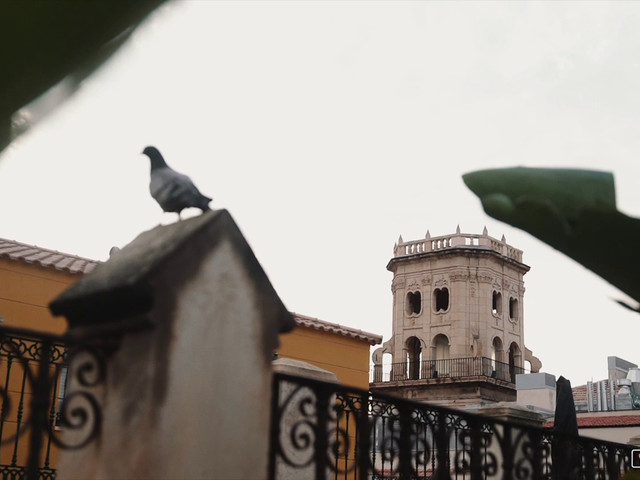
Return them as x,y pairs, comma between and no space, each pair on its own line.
574,211
46,41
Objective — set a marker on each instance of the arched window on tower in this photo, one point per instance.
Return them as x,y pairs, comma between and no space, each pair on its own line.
414,358
441,355
441,299
497,360
496,303
515,361
414,303
513,309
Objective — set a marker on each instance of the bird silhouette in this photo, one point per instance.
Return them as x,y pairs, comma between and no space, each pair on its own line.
172,190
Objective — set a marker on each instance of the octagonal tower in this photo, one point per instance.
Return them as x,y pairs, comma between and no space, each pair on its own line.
458,320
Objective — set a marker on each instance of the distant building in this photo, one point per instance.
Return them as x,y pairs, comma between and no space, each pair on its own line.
32,276
612,426
458,321
609,409
606,409
619,391
341,350
620,427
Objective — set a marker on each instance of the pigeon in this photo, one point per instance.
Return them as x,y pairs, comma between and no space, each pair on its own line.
172,190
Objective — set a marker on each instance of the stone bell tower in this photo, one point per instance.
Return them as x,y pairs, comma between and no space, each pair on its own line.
458,320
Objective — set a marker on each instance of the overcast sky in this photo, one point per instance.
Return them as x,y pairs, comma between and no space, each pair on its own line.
328,129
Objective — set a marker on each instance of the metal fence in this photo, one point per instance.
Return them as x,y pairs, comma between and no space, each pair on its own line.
19,363
446,368
35,407
327,431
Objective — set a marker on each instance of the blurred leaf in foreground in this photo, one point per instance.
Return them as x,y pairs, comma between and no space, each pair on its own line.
574,211
46,42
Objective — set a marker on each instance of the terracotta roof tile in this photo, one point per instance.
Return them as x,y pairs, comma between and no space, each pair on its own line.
617,421
63,263
77,266
44,257
51,259
22,254
604,421
322,325
37,256
6,249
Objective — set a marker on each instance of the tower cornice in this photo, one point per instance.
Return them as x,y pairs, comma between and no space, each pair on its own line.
457,251
457,244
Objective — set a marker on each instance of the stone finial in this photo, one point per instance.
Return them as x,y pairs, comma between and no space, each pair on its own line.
428,235
400,241
485,232
458,229
503,239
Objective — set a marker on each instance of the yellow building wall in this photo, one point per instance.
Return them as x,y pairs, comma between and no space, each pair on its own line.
347,357
25,293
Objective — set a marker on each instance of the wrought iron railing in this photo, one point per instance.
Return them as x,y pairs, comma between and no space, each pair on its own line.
328,431
35,407
448,368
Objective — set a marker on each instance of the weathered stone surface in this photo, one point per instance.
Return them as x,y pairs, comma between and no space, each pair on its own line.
121,287
187,398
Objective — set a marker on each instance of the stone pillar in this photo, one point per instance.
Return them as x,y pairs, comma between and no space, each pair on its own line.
187,390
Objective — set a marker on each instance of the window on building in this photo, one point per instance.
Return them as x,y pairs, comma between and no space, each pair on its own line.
414,303
441,299
496,303
441,343
442,364
515,361
496,350
497,360
414,357
513,308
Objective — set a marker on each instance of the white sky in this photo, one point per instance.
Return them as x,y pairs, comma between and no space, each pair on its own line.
327,129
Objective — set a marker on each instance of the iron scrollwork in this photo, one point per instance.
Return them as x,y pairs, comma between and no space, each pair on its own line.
36,398
322,431
80,410
315,418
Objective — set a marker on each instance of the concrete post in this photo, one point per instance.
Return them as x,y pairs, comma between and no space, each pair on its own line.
188,397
